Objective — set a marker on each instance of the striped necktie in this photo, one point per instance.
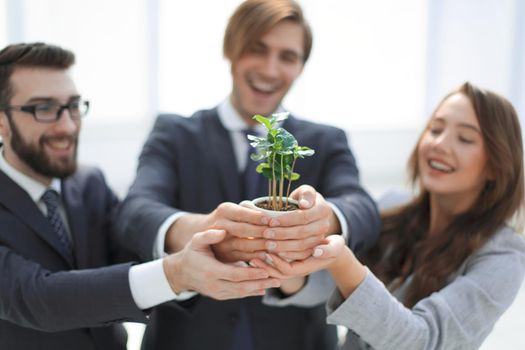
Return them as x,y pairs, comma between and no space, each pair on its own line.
50,199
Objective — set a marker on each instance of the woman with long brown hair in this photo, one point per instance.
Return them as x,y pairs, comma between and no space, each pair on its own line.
449,258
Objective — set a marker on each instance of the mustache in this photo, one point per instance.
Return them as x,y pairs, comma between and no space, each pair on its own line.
73,138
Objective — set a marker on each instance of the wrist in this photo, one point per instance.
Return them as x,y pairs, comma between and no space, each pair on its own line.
181,231
292,285
334,225
171,266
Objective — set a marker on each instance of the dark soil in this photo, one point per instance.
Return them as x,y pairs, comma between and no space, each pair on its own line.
267,205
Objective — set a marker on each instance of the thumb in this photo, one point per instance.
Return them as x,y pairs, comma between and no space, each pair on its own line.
305,195
207,238
247,204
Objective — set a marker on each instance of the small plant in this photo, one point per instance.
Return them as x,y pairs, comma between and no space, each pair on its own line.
280,151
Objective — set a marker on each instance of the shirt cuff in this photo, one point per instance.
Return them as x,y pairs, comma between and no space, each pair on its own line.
345,231
158,245
149,285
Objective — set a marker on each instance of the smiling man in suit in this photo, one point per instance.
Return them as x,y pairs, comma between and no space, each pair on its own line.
192,171
58,289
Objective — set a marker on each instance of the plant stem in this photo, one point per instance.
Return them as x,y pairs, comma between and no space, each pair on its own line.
290,181
281,185
274,185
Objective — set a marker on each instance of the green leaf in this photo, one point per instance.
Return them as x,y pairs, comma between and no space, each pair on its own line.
257,156
265,121
279,117
255,138
287,141
262,145
260,168
295,177
267,172
304,152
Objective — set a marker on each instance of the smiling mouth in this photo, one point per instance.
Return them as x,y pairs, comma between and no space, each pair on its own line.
263,87
439,166
60,143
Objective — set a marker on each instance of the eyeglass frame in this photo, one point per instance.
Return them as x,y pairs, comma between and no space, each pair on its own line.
31,109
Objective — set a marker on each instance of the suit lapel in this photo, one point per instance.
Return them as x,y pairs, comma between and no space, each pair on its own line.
223,155
75,210
15,199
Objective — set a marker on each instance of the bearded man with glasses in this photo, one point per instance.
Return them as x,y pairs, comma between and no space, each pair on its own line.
65,282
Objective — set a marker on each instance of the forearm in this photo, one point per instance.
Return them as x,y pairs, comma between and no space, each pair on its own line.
347,272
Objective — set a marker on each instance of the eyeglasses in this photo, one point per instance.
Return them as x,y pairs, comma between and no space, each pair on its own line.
50,112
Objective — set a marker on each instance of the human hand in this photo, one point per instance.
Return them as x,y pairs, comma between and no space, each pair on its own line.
239,222
233,249
326,255
195,268
244,227
294,235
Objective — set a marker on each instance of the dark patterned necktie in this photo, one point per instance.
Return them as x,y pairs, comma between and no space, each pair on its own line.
50,199
250,176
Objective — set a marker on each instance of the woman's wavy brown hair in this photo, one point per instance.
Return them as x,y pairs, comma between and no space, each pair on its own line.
404,249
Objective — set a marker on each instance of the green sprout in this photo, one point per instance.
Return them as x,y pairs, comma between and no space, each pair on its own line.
280,151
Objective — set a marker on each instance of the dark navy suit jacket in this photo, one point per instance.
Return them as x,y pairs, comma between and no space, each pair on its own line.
189,164
48,301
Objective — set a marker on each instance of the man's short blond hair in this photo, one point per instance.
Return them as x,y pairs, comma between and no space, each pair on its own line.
254,18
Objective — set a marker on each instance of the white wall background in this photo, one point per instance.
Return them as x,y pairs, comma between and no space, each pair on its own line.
377,70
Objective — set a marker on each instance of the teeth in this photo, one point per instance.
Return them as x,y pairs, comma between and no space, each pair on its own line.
60,144
440,166
263,86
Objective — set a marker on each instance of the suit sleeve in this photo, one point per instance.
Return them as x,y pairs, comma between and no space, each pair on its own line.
33,297
459,316
149,200
341,186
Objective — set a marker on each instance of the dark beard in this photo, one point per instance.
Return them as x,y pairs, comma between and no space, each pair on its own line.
37,159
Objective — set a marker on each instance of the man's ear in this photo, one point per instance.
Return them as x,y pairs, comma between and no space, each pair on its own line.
4,125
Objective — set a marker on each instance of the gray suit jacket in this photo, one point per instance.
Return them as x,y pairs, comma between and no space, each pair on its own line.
48,301
189,164
459,316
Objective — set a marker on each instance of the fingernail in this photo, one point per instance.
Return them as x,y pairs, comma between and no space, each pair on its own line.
304,203
265,220
269,234
282,254
252,264
268,259
317,252
274,223
271,245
